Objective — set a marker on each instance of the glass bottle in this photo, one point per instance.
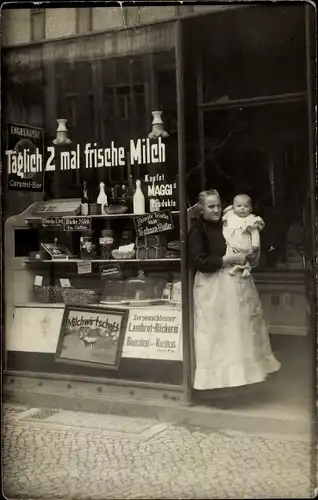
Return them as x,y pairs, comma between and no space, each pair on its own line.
130,195
85,201
139,200
102,200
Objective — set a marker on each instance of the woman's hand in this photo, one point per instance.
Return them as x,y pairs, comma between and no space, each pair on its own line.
238,259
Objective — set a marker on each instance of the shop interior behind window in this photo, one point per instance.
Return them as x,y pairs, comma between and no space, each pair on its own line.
251,142
109,101
247,131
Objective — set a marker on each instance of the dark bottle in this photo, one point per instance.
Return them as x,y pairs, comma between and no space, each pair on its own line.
85,201
130,195
124,193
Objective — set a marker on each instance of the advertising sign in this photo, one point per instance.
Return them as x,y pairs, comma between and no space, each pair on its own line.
91,336
77,224
154,334
23,158
153,223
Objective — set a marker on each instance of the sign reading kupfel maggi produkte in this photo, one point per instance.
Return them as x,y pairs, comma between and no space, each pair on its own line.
154,334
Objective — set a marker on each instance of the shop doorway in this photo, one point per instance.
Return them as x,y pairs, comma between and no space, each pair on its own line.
251,118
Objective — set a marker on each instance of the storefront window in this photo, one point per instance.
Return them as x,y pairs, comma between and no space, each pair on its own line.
253,53
123,253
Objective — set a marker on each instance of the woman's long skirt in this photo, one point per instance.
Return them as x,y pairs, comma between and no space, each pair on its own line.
232,346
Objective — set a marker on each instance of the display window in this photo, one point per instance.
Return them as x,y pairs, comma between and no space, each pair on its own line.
107,231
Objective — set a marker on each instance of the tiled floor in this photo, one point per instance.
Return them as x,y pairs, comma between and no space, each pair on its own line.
71,455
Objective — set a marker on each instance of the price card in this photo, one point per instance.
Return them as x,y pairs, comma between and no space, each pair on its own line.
65,283
52,221
38,280
84,267
77,224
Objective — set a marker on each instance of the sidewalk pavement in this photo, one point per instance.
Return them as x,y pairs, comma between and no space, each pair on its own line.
58,454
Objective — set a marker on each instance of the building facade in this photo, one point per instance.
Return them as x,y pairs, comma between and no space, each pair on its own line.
239,111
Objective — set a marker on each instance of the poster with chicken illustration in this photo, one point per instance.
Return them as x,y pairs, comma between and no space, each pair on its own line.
92,336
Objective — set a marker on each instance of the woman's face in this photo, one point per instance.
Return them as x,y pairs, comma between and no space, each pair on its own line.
212,209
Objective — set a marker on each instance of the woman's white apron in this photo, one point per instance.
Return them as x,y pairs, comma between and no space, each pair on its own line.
232,346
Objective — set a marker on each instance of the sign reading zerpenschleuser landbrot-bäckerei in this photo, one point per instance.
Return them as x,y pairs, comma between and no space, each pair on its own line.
154,334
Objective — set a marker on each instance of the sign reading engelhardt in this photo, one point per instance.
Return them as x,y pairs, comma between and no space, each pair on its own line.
154,334
24,157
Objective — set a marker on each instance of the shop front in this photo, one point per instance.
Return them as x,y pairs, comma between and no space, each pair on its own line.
134,124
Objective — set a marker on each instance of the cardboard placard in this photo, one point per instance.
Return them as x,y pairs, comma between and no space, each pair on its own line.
65,283
153,223
52,222
110,271
154,333
77,224
38,280
84,267
24,157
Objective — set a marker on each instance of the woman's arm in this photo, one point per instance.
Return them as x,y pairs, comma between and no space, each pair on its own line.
199,258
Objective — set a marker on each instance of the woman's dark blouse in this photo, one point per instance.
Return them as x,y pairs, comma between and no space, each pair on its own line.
206,245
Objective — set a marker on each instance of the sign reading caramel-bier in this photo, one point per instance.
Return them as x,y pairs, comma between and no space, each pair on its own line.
153,223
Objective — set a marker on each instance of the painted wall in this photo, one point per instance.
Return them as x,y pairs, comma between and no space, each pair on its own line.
15,23
15,26
59,23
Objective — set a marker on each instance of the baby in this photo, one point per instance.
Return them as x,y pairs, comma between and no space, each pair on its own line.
241,231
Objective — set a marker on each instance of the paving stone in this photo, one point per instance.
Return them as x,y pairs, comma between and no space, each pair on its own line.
100,458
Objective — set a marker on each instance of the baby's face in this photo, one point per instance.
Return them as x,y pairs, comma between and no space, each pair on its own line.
242,206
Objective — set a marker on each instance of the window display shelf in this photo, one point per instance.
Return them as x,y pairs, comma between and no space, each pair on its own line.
38,220
100,261
252,101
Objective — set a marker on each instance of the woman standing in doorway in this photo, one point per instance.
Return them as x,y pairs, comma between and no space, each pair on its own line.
232,346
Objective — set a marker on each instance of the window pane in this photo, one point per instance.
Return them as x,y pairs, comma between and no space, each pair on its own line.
83,20
38,25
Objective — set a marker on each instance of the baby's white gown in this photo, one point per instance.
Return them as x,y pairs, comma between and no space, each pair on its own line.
232,343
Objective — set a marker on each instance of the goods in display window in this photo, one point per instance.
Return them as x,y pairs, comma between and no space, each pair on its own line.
87,248
80,296
106,244
102,200
139,199
85,201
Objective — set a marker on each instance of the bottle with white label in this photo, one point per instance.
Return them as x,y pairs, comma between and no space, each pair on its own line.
85,201
102,201
139,200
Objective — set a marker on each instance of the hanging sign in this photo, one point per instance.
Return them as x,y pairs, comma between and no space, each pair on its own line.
154,334
52,222
77,224
153,223
23,158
